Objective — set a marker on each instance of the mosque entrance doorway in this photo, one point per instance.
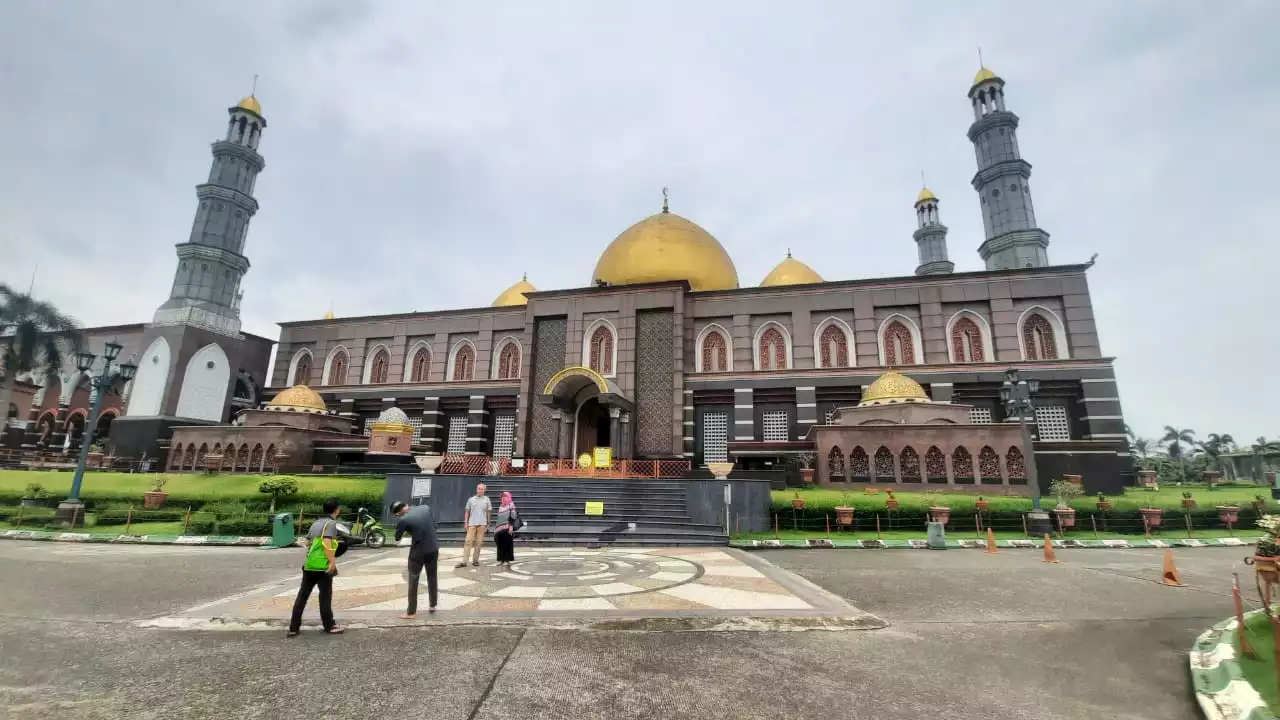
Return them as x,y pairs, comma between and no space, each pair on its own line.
592,422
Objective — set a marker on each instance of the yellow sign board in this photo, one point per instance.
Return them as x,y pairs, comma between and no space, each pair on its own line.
595,508
584,461
604,457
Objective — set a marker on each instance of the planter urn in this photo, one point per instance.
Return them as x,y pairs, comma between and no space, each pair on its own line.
982,505
844,516
1066,517
940,514
1152,516
797,503
93,459
1188,504
1147,478
1266,567
428,464
720,470
1229,514
1076,479
153,500
806,476
1212,477
891,504
1104,505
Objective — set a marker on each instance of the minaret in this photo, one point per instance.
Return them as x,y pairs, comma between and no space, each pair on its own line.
211,263
1013,240
931,237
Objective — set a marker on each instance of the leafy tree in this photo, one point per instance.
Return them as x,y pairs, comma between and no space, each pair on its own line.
1215,446
34,336
1142,448
1175,439
278,487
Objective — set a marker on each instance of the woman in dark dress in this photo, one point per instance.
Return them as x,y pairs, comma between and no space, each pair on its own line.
504,532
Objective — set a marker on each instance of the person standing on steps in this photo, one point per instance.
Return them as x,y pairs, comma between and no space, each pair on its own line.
504,531
475,518
424,552
319,570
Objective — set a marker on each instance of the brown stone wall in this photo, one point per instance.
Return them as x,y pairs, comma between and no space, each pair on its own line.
1000,437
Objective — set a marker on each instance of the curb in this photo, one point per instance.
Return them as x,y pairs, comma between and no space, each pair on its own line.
896,544
1221,688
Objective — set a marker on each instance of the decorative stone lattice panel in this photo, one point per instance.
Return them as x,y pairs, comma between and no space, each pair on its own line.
1038,341
859,464
989,464
654,383
504,435
1015,467
966,341
980,416
834,347
884,464
910,460
774,426
835,463
549,338
457,434
962,463
715,437
715,353
935,465
1053,423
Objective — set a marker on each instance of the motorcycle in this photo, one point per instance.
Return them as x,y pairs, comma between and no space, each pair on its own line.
367,529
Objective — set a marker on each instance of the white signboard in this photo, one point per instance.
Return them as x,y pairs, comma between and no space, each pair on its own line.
517,462
422,486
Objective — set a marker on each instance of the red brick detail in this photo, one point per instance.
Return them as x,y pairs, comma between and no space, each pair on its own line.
381,364
509,362
602,351
338,369
715,352
464,363
302,373
1038,341
989,464
834,345
966,341
773,350
899,345
421,366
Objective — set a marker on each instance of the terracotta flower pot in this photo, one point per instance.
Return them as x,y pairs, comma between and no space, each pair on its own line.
940,514
844,515
153,500
1189,503
806,476
1229,514
982,505
1266,567
891,503
1104,505
1153,516
93,460
797,503
1066,517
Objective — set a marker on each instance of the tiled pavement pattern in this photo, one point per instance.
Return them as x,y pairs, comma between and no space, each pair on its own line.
560,582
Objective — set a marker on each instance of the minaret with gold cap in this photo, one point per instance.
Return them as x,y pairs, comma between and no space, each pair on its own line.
931,237
1013,240
211,263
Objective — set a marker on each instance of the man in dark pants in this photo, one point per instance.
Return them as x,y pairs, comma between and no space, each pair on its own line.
318,570
424,551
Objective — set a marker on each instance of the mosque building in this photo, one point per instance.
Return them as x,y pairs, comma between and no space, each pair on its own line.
663,354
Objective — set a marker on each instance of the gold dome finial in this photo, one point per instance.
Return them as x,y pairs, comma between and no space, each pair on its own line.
791,272
664,201
925,194
665,247
514,295
893,387
250,102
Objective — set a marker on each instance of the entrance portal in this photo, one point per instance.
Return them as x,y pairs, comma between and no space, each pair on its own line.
592,426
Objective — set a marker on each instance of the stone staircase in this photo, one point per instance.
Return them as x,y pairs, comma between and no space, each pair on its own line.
636,512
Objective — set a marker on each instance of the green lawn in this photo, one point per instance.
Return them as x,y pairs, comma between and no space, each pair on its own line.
1261,673
143,528
190,488
784,534
1168,498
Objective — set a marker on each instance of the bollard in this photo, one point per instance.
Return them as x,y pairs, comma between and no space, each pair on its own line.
1187,517
186,523
878,535
1024,524
977,525
20,511
1094,520
128,519
828,527
1146,527
776,534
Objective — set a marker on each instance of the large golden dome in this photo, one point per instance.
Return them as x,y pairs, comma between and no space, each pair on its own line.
791,272
514,295
893,387
251,104
298,398
666,247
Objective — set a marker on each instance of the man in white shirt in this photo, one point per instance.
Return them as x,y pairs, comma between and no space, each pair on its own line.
475,518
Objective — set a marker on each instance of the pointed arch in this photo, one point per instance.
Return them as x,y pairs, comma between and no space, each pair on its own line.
884,465
150,382
900,342
417,369
270,460
713,349
175,457
204,450
771,347
969,338
962,465
600,347
300,368
988,466
204,385
835,465
1041,335
229,457
1015,466
462,361
189,458
242,458
256,458
833,344
377,365
909,461
859,465
506,358
335,366
935,465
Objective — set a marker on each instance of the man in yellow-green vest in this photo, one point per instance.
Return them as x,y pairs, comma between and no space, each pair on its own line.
318,570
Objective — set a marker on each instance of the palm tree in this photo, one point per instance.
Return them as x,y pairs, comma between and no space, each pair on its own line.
1176,438
34,336
1215,446
1142,447
1262,446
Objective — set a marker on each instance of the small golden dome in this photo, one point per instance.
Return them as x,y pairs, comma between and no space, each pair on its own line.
791,272
329,315
893,387
664,247
298,398
251,104
984,75
514,295
925,194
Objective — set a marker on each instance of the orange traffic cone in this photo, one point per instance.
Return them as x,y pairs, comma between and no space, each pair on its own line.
991,542
1171,576
1049,555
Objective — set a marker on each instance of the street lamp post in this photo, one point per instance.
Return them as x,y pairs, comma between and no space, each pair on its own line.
72,507
1016,395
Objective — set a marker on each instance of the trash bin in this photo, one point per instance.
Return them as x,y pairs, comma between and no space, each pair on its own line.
936,537
282,530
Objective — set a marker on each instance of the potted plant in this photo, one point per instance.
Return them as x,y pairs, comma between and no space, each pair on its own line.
938,512
844,511
1187,502
1212,477
797,503
34,496
1103,503
1147,479
890,502
1229,514
806,467
1267,553
982,504
94,458
154,499
1152,517
1065,489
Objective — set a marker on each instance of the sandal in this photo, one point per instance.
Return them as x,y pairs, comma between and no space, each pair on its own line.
335,630
292,634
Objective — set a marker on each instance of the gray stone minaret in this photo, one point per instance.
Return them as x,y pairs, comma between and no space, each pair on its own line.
931,237
1013,240
211,263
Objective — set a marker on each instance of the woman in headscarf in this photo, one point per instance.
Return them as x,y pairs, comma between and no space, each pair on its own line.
504,532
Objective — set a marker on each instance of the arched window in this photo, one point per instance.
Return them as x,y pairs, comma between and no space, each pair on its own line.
771,349
600,355
509,362
859,465
1014,465
962,465
935,465
966,341
229,457
242,459
833,347
910,461
381,364
1038,342
175,457
217,448
989,465
715,352
338,368
270,460
464,362
835,465
420,365
899,344
302,371
189,458
204,450
255,459
884,466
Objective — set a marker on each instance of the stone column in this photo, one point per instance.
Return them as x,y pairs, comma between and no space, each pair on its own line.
615,439
557,422
432,424
566,430
689,425
625,424
744,419
806,411
58,437
477,426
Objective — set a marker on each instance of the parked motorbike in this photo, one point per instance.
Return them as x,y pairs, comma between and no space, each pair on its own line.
367,529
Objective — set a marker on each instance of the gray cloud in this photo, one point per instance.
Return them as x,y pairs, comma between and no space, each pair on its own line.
423,155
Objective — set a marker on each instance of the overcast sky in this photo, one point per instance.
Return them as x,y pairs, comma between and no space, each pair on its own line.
422,155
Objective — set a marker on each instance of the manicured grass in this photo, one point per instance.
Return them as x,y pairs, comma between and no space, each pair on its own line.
192,489
1167,498
970,535
146,528
1261,673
